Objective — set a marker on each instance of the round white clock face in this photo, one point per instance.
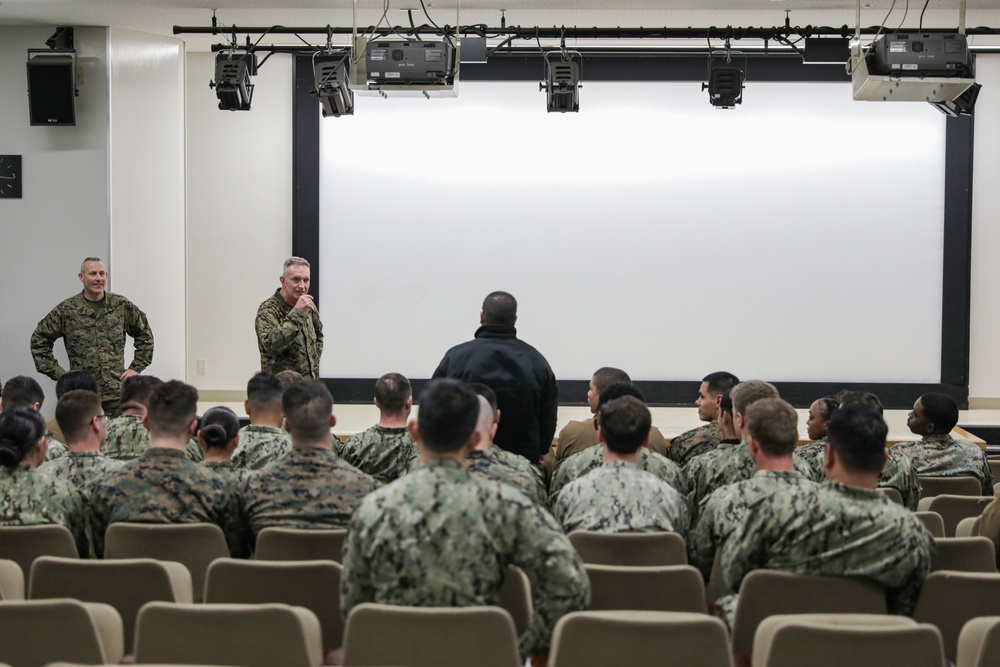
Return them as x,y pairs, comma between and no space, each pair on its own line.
10,176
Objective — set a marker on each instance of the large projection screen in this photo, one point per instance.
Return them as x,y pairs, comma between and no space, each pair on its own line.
797,238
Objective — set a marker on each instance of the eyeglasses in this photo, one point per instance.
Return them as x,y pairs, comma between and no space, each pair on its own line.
102,417
48,437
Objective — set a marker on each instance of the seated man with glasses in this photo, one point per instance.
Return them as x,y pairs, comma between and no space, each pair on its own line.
83,423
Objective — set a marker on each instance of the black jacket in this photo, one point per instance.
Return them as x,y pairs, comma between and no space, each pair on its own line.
524,383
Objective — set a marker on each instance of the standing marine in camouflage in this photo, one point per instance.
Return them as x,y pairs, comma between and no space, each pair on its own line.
127,437
263,440
772,435
618,497
218,436
163,485
27,496
385,451
310,487
844,527
83,421
937,453
705,438
93,326
441,537
22,391
289,331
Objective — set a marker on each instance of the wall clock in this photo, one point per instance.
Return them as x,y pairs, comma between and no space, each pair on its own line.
10,177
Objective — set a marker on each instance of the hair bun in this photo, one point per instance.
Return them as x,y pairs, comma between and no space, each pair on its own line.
214,435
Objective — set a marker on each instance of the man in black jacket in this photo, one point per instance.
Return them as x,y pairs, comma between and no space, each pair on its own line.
522,379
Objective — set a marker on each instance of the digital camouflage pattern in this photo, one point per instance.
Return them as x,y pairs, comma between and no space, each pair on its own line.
56,450
697,441
94,340
81,469
127,438
833,530
944,456
441,537
491,464
384,453
29,498
727,464
233,475
521,463
578,436
289,339
164,486
897,473
722,511
580,464
618,497
259,445
307,488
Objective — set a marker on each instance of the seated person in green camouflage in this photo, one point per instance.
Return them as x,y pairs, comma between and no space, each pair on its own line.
510,458
705,438
843,527
937,453
577,436
441,537
491,462
164,485
28,497
83,421
264,440
127,437
820,412
385,451
772,426
589,459
70,380
22,391
310,487
618,497
218,437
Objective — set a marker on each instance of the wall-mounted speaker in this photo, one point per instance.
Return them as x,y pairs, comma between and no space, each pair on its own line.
52,88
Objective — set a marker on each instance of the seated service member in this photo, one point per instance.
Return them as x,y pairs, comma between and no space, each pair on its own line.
618,497
218,437
772,429
70,380
385,451
28,497
705,438
164,485
440,537
83,421
484,459
263,440
589,459
127,437
510,458
844,527
820,412
937,454
22,391
310,487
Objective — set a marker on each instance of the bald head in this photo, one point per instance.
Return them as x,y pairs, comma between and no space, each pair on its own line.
485,424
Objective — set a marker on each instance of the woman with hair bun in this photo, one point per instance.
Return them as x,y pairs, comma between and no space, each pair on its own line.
218,437
28,497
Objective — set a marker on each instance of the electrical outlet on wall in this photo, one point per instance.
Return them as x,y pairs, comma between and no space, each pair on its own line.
201,367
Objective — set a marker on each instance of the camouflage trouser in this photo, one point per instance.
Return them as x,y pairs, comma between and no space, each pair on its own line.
111,408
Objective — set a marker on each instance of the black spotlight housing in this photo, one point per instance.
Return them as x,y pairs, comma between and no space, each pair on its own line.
331,84
725,86
232,80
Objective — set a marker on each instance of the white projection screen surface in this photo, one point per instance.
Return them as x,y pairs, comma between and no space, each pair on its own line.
798,237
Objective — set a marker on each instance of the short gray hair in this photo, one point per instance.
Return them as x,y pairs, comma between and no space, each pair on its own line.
83,264
295,261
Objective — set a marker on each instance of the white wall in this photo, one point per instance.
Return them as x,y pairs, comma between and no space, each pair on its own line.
147,187
239,217
63,215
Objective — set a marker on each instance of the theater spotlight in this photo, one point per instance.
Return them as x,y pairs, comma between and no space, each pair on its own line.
330,74
562,81
232,80
725,81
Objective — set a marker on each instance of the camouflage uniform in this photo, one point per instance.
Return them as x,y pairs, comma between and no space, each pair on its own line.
727,464
580,464
56,450
81,469
95,341
521,463
30,498
126,439
695,442
944,456
577,436
384,453
307,488
490,464
289,339
259,445
440,537
233,475
724,510
897,473
164,486
833,530
618,497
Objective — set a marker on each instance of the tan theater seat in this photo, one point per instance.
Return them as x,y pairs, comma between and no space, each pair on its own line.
632,549
52,630
671,588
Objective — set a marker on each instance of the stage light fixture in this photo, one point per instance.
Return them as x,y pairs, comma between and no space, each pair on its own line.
232,80
330,73
562,81
725,87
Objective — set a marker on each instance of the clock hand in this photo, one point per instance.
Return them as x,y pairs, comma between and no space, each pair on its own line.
8,178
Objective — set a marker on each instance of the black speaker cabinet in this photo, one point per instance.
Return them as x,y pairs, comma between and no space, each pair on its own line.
52,90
